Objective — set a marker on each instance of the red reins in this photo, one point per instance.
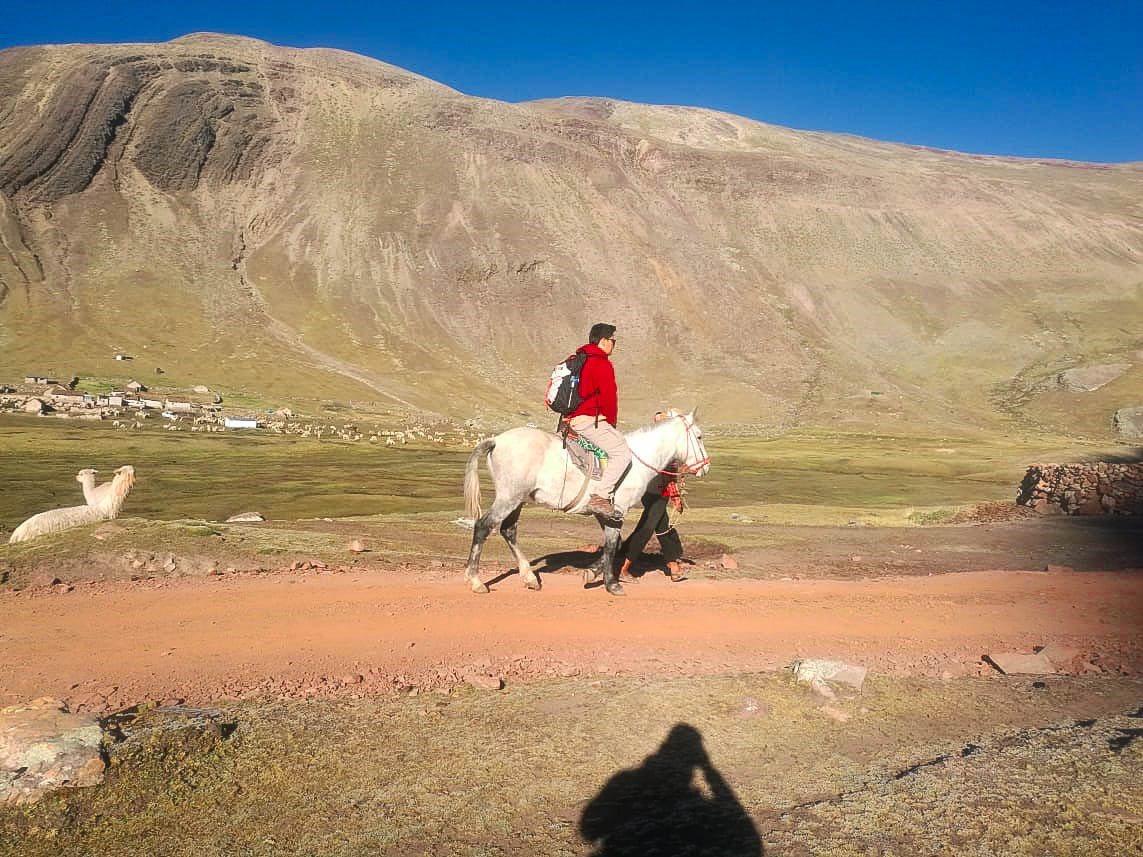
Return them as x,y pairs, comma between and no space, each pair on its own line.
690,470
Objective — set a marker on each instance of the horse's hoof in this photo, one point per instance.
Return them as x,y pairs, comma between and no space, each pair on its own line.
615,589
534,585
479,588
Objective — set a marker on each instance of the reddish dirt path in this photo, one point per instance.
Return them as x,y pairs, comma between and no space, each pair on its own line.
110,645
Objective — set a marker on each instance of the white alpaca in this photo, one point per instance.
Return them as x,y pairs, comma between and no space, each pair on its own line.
55,520
109,496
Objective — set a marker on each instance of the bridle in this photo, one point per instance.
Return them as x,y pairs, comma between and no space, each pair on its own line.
692,445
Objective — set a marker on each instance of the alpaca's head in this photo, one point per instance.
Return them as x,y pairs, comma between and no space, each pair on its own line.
86,475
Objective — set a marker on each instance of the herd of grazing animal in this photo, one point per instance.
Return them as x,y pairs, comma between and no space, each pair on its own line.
103,503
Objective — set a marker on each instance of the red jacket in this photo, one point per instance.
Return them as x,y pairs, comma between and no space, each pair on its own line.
597,386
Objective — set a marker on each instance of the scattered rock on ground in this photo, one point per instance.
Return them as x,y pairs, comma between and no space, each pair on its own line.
1085,379
809,672
751,707
484,681
1064,658
356,546
1129,422
1020,663
44,747
245,518
728,562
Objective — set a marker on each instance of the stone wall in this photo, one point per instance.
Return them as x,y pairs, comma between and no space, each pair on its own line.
1094,488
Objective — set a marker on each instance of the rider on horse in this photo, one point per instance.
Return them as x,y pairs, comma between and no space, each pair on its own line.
595,419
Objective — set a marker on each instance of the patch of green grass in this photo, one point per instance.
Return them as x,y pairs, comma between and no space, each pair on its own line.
213,476
818,468
931,517
807,478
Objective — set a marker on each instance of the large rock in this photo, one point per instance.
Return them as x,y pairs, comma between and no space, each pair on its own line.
818,674
43,747
1021,663
245,518
1085,379
1129,422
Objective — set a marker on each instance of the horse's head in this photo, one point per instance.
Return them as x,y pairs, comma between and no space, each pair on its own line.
691,450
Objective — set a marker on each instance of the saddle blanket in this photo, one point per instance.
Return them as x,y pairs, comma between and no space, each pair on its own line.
585,455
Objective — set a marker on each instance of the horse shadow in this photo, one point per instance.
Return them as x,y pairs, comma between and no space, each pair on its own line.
554,562
675,803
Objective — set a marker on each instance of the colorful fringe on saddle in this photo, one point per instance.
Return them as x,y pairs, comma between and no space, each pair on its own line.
599,454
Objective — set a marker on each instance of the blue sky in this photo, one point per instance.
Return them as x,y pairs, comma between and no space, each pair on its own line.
1038,79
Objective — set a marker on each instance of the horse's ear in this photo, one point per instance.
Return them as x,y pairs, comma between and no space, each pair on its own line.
691,415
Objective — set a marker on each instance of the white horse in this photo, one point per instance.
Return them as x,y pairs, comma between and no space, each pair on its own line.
531,465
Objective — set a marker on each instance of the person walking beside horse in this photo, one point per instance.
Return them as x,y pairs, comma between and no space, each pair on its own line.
662,500
595,420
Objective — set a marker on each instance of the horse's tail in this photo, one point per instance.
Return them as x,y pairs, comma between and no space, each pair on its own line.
472,478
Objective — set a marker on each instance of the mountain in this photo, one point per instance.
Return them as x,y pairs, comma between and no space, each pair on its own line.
303,225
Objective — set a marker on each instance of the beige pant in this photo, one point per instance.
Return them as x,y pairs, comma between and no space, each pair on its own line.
608,438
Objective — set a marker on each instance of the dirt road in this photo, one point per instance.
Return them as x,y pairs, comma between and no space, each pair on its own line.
104,646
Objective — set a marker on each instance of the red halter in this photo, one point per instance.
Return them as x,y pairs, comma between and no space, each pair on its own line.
691,469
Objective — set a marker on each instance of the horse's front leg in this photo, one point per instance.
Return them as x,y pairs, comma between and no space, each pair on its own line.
611,539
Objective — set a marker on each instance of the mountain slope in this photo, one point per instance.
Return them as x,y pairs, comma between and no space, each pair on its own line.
313,224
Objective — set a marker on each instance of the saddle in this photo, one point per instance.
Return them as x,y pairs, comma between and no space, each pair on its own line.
585,455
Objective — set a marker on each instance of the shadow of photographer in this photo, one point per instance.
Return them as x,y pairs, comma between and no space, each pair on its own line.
663,808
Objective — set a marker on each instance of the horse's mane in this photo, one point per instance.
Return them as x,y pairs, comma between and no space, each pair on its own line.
671,414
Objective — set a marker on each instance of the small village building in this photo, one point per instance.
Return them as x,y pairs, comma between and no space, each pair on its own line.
155,404
135,387
240,423
179,407
38,379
